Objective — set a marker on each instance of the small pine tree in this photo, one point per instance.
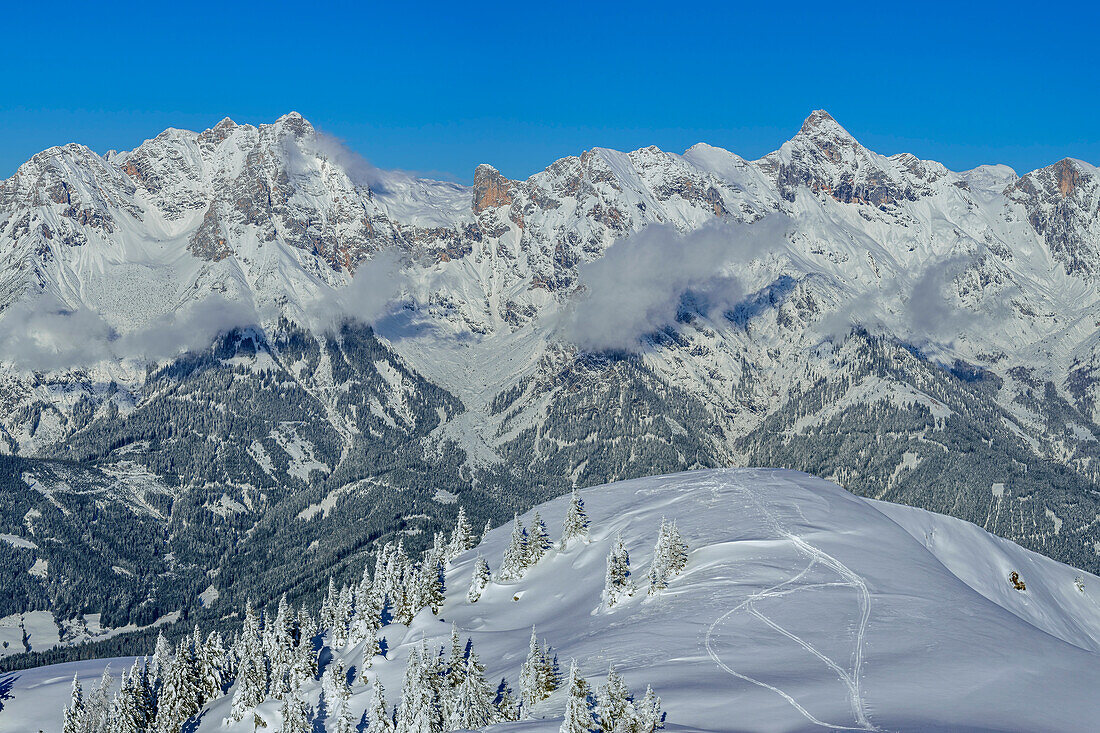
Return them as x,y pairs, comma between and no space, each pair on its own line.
505,702
482,578
576,522
180,694
618,583
473,706
538,541
614,709
98,707
76,717
514,563
650,717
462,537
295,715
578,711
378,720
678,550
251,687
537,676
338,695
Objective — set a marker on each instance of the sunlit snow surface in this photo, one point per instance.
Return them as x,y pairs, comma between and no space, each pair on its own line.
802,608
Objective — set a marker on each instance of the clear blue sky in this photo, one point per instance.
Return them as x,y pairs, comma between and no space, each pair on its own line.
441,87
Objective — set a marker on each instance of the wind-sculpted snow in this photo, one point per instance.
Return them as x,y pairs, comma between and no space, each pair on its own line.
801,608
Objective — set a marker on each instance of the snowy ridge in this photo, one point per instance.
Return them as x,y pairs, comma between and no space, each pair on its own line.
801,608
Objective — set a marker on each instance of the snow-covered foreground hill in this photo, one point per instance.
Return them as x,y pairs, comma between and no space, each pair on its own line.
802,607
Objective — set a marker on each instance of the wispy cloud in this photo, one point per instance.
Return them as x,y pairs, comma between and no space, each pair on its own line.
636,287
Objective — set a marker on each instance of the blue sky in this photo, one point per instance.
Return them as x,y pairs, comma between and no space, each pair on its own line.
441,87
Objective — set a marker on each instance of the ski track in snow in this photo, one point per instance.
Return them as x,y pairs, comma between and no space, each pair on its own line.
851,679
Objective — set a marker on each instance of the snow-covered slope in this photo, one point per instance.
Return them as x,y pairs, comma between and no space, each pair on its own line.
802,607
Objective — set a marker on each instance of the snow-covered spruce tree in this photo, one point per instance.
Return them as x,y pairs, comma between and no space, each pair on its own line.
514,563
180,694
432,589
678,552
251,687
473,700
488,527
578,710
669,557
456,662
378,720
98,706
328,605
575,525
650,717
618,583
341,719
482,577
368,612
418,711
341,618
128,714
537,676
295,715
505,702
538,541
371,649
462,537
213,675
614,708
76,716
158,664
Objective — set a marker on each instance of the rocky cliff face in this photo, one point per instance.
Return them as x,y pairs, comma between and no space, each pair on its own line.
913,332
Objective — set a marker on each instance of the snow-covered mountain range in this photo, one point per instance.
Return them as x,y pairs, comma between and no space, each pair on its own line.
920,335
781,620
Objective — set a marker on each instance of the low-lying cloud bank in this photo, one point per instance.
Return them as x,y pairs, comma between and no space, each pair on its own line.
47,334
637,286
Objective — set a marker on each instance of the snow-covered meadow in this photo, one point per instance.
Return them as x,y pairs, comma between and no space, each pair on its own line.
802,607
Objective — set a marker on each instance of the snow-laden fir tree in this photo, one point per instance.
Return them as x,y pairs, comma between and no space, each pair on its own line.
378,720
328,605
128,712
211,662
669,557
431,582
456,662
337,693
371,649
295,715
514,563
473,699
575,525
303,664
618,583
488,527
251,689
614,707
650,716
98,706
418,711
538,541
76,716
158,664
341,618
481,579
538,676
578,710
179,698
368,612
505,702
462,537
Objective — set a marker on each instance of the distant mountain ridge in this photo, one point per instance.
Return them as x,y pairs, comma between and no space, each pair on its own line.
916,334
